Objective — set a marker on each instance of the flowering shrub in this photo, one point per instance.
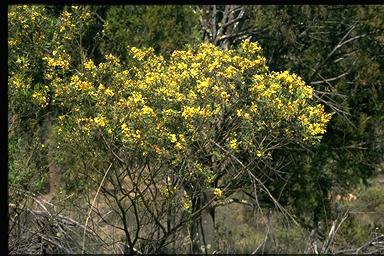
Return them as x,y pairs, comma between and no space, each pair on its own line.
43,50
200,103
177,109
174,124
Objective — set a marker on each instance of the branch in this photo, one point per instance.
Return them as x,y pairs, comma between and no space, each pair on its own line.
92,206
213,23
332,233
331,79
373,242
99,17
239,18
321,64
249,32
258,181
262,244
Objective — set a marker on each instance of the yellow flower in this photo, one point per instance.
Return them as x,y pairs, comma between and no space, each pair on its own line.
308,92
101,87
172,137
137,134
182,66
137,97
81,85
225,96
89,64
202,86
233,143
147,111
109,92
186,205
12,42
100,121
190,111
179,146
218,192
192,95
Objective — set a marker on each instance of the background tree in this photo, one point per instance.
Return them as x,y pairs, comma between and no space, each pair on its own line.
164,28
32,107
328,46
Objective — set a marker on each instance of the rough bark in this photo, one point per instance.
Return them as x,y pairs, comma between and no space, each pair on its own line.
195,235
221,25
53,175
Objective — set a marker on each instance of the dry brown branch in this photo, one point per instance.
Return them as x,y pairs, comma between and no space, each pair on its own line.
93,203
41,231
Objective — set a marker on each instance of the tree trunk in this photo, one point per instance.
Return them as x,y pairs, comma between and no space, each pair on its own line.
52,168
195,235
53,174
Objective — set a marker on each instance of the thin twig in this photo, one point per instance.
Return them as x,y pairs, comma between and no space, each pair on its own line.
282,209
93,203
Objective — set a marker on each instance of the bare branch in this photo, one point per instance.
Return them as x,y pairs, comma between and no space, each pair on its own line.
264,188
93,203
99,17
331,79
321,64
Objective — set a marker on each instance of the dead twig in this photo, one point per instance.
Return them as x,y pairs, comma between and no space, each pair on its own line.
93,203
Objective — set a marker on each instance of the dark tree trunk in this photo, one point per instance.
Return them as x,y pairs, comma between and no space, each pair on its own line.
45,136
195,234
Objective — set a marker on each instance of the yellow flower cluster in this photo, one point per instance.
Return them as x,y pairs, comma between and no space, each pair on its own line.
233,144
19,83
61,61
202,86
243,114
147,111
109,92
79,84
113,59
189,112
251,47
178,141
40,98
89,64
128,135
168,107
141,54
218,192
99,121
26,15
136,97
315,119
66,22
12,43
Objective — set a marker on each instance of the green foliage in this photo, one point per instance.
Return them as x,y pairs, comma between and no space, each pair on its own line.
164,28
22,171
235,234
366,217
100,85
302,39
42,44
174,110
